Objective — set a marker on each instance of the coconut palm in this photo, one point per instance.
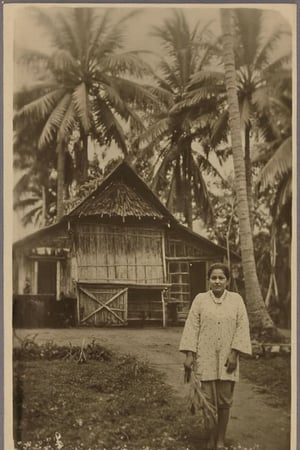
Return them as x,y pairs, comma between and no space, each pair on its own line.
34,196
34,190
83,85
258,71
180,122
276,152
258,68
259,317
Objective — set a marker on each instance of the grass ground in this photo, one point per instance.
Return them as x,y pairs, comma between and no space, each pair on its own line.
110,402
271,376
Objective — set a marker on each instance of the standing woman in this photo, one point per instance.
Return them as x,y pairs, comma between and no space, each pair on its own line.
215,333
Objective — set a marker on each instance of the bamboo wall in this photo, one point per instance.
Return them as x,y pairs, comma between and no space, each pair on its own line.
108,253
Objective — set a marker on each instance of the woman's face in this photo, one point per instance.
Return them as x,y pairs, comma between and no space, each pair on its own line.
217,282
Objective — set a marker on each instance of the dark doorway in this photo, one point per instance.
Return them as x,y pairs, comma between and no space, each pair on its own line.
197,278
47,277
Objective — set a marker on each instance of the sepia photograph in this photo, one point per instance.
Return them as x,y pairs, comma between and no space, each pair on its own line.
150,190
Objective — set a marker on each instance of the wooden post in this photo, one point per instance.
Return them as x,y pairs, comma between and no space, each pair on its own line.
57,280
35,278
78,304
163,309
163,249
126,306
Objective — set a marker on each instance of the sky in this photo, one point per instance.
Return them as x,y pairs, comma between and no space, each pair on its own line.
28,34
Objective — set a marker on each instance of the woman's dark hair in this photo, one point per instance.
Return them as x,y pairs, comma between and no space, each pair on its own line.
220,266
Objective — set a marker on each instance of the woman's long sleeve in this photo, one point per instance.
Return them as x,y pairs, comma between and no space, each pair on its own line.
241,339
191,329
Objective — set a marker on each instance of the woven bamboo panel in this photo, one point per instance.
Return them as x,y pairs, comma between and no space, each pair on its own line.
110,253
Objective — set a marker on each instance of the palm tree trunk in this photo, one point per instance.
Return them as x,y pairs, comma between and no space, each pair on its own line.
60,180
188,190
258,315
44,207
248,168
85,157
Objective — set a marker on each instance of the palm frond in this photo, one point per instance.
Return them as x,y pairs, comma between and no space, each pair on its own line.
171,199
82,105
170,74
158,130
163,96
68,122
268,47
32,58
26,202
136,124
279,166
220,129
205,76
54,121
69,32
62,61
194,98
281,207
249,22
201,195
261,98
30,93
128,62
34,216
112,95
113,39
280,66
39,109
108,126
170,155
245,111
101,27
26,180
51,25
133,92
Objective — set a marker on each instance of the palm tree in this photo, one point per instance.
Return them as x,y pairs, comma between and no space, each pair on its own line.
82,85
275,177
256,64
34,192
259,317
258,71
181,123
36,199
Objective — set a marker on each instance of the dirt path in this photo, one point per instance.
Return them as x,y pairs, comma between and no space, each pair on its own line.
252,422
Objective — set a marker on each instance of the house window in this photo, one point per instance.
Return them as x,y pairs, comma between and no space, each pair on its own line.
179,278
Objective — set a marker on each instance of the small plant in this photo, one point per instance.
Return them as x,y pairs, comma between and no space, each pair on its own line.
29,350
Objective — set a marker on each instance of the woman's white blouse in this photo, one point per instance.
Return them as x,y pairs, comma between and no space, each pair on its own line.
212,330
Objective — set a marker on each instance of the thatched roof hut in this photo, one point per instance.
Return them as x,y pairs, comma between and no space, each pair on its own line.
120,253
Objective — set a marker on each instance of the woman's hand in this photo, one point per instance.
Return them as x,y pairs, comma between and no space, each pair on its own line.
189,360
188,364
231,362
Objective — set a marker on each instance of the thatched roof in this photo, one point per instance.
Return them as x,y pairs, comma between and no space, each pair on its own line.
117,199
122,194
52,235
